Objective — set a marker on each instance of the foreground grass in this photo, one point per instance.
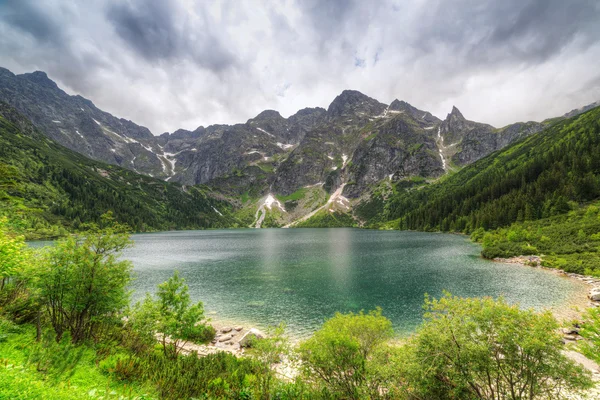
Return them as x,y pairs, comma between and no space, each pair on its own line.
26,374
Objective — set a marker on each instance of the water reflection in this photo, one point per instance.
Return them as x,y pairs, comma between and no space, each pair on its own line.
303,276
340,259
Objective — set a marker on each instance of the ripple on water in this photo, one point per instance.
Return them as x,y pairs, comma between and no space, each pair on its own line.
303,276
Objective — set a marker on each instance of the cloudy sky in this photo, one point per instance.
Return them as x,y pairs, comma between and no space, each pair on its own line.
181,64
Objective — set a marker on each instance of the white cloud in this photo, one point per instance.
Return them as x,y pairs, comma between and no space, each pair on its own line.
183,64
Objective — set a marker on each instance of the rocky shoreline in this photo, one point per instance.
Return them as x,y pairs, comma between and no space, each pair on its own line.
571,332
593,294
233,339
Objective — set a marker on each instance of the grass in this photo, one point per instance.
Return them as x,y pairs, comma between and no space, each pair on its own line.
297,195
74,377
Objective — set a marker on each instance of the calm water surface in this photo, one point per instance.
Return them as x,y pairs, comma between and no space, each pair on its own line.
303,276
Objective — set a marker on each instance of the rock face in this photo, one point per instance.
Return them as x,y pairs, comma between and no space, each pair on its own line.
399,148
479,142
468,141
78,124
357,142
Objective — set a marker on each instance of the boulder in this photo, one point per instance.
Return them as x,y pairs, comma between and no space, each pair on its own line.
570,337
238,328
226,329
594,296
252,334
571,331
225,338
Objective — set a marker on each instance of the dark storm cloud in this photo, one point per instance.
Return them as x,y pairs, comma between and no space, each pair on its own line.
509,30
156,30
328,16
27,17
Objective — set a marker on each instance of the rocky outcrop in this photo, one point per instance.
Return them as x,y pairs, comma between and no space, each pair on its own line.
480,142
396,150
352,103
78,124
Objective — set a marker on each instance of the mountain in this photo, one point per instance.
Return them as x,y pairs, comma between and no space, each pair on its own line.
47,189
533,178
315,160
79,125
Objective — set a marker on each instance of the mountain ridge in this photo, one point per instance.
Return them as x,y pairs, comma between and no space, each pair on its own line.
357,144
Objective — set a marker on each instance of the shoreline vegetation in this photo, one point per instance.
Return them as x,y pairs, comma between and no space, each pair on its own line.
67,331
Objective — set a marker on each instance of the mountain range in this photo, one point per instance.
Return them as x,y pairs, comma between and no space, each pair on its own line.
276,171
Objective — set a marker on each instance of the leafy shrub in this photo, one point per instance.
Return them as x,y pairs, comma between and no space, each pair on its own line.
486,349
337,357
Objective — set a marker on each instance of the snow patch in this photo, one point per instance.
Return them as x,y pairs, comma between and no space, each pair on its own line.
56,122
429,128
79,133
344,160
336,198
270,200
97,122
331,158
172,162
217,211
316,184
284,146
441,148
261,213
263,131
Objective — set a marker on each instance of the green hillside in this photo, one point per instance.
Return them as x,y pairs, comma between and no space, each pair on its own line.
529,180
570,241
47,190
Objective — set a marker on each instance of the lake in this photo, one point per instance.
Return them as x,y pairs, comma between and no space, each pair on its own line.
303,276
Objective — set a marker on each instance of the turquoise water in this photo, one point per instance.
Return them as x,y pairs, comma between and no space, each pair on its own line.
303,276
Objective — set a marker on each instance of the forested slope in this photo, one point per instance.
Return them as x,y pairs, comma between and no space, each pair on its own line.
531,179
47,189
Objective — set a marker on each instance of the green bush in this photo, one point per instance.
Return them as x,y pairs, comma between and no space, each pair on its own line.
337,358
487,349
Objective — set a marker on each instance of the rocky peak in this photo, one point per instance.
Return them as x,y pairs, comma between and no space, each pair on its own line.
268,115
6,73
352,102
309,111
455,114
403,106
40,78
185,134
